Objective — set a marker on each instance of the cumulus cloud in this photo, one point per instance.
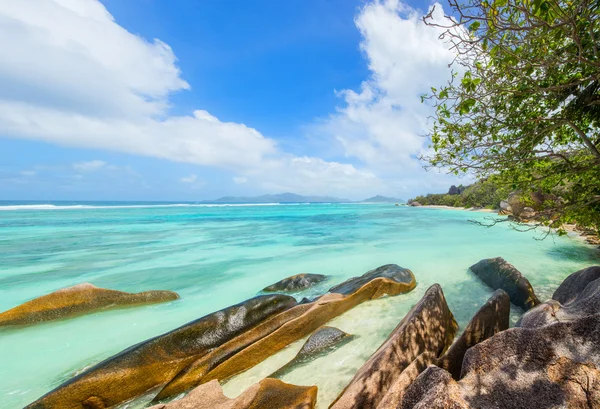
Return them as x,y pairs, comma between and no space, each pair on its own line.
70,75
383,123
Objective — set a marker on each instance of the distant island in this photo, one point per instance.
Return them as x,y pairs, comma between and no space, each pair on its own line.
382,199
279,198
295,198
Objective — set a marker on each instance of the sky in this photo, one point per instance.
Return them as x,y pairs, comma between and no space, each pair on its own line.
193,100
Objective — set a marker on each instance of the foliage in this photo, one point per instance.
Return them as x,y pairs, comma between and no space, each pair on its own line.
523,101
486,193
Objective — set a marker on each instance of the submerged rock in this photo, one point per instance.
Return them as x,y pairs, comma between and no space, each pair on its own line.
78,300
318,313
296,283
489,320
402,276
267,394
552,361
309,317
429,327
499,274
323,340
156,361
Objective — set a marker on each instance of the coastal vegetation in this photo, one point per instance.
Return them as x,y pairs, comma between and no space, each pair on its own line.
523,104
486,193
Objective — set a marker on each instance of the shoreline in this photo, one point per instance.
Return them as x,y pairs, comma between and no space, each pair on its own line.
470,209
572,230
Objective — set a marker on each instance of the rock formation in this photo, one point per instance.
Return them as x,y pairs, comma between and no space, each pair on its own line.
499,274
323,340
156,361
78,300
296,282
491,318
403,276
429,327
551,361
267,394
216,346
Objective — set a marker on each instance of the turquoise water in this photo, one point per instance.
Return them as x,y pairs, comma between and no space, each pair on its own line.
215,256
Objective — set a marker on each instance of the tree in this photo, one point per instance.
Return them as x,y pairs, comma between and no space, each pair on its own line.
523,100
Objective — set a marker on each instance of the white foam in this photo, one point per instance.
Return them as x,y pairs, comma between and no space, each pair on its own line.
72,207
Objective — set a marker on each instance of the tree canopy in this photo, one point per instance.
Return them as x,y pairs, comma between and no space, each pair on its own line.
523,100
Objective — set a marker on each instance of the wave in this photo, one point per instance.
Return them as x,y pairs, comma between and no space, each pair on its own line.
134,206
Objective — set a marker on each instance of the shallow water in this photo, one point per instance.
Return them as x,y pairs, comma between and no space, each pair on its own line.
218,256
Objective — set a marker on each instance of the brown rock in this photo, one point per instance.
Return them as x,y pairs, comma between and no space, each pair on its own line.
515,202
193,374
433,389
255,346
319,313
78,300
395,393
551,362
403,276
574,285
296,283
499,274
267,394
428,327
491,318
554,366
156,361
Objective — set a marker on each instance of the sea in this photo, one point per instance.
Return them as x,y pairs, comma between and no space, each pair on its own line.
216,255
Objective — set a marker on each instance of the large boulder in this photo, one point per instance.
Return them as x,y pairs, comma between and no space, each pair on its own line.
428,327
505,208
395,393
78,300
515,201
499,274
551,361
577,296
403,276
414,203
251,348
491,318
267,394
156,361
296,282
323,340
573,286
434,388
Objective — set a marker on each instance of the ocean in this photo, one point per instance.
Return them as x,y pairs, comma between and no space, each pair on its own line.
218,255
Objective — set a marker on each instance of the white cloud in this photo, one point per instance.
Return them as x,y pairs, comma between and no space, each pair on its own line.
28,173
188,179
70,75
90,166
383,123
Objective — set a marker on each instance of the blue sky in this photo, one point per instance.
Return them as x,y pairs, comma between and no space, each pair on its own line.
191,100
